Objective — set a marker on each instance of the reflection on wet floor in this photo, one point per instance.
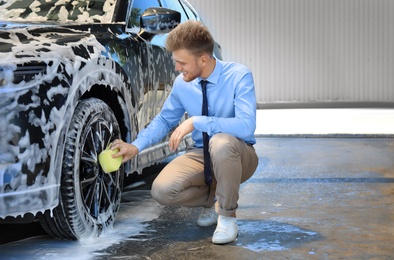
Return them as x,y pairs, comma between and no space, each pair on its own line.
137,209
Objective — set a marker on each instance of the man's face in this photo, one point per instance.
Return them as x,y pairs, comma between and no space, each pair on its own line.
190,66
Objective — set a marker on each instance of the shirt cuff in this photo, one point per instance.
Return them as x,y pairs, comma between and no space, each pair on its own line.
200,123
139,144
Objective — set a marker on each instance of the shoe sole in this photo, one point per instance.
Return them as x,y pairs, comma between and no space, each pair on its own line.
206,224
222,242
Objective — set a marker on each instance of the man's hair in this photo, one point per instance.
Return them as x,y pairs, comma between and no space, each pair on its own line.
192,36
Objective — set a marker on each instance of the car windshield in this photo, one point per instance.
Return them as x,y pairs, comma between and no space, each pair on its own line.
81,11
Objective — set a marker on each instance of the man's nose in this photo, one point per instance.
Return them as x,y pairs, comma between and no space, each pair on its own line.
178,67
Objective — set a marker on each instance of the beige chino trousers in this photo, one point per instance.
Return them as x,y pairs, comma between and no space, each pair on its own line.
182,183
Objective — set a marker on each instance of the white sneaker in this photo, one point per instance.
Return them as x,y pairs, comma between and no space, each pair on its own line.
207,217
226,230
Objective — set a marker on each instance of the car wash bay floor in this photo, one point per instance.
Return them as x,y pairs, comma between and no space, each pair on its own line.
310,198
323,190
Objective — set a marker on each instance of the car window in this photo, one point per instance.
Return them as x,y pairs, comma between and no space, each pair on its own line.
191,13
175,5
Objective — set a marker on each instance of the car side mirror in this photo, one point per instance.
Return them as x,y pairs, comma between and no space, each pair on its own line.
158,20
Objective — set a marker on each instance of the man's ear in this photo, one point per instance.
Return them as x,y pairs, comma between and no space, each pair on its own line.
204,59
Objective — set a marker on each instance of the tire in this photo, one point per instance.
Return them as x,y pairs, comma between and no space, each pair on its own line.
89,198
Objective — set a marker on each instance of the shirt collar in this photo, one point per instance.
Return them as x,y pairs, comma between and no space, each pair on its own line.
214,77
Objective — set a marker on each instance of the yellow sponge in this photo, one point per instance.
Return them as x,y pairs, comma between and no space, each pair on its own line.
109,164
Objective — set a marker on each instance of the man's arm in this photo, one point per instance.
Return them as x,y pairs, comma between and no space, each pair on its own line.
172,111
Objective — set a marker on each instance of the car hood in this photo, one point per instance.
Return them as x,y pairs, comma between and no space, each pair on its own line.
27,36
21,41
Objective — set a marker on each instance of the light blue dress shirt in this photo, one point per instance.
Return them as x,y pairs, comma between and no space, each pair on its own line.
231,107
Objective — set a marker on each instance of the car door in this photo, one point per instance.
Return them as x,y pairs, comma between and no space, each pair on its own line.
158,72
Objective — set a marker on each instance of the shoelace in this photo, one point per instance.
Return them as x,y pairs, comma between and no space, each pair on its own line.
224,225
207,213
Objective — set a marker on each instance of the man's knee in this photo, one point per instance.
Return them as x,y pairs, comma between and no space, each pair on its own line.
222,146
160,193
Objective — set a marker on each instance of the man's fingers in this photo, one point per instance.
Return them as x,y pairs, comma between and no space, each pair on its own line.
182,130
120,153
116,144
171,143
174,140
128,151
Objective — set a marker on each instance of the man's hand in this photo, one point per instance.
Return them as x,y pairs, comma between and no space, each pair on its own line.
128,151
182,130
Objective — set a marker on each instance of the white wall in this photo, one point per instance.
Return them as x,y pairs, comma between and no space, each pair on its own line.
308,50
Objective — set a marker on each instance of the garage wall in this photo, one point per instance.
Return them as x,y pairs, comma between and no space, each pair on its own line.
309,52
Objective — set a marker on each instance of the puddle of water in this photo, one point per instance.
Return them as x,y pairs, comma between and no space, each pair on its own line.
260,236
138,208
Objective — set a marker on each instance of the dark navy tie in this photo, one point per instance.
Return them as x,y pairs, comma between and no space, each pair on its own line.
205,136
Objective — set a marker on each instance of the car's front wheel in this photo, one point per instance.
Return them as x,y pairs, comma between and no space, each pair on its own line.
89,198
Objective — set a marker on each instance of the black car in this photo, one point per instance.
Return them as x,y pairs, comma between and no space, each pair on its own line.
74,76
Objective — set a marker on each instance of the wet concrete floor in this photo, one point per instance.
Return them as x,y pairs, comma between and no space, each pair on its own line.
310,198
